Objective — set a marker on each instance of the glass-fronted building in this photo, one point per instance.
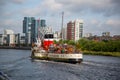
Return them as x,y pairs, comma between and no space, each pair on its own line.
43,23
34,30
31,26
27,25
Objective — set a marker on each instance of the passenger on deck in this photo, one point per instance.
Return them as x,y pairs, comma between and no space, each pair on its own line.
62,50
51,48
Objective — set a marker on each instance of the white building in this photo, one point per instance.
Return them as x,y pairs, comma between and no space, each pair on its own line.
7,31
78,29
106,34
1,39
10,37
57,36
22,40
88,34
64,32
75,30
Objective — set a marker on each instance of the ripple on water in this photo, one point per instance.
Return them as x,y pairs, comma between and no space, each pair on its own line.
18,66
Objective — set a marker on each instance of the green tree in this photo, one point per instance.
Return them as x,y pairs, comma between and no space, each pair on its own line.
71,42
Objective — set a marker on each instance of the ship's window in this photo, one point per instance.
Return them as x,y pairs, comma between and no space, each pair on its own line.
48,36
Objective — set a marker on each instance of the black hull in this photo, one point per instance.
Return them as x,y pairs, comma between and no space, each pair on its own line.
73,61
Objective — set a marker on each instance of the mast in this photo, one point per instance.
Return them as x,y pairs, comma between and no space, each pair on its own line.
62,25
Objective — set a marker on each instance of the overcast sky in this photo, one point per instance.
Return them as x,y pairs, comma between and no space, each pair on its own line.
98,15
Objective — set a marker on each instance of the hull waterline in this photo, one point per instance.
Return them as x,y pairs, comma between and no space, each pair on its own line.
68,58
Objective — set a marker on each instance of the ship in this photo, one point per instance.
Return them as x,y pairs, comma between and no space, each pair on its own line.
46,49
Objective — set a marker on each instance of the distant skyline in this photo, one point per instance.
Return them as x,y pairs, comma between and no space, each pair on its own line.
98,15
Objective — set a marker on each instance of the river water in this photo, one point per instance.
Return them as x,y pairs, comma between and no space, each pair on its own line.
18,65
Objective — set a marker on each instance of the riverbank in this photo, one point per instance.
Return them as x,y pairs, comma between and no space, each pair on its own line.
115,54
21,48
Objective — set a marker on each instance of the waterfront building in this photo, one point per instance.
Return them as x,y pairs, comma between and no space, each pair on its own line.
1,39
31,27
88,34
70,31
22,40
9,37
34,30
38,28
8,31
43,23
17,39
106,34
75,30
64,33
57,36
27,24
116,37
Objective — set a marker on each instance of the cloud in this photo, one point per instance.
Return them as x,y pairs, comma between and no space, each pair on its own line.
52,5
12,24
4,5
2,2
31,12
5,2
94,22
18,1
112,26
44,8
105,7
97,26
99,15
113,23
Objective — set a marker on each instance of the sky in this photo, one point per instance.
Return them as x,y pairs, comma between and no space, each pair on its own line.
98,15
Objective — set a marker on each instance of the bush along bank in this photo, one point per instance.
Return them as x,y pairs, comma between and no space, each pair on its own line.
93,47
115,54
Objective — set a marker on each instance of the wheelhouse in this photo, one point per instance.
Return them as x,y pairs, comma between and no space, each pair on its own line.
48,40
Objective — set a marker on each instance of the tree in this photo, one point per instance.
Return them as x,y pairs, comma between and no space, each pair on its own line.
71,42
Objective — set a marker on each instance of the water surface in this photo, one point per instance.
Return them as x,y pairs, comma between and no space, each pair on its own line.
18,65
